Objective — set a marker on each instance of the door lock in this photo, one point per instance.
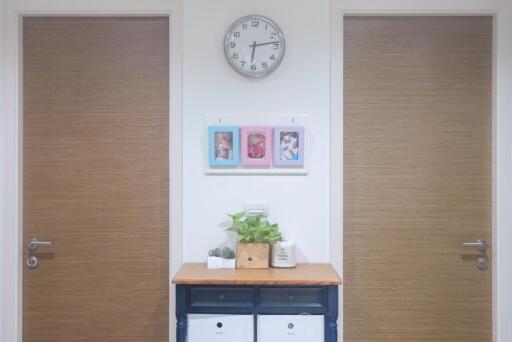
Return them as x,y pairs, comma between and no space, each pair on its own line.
32,262
482,263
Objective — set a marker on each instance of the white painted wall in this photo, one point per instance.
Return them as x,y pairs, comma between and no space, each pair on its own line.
300,204
3,150
302,84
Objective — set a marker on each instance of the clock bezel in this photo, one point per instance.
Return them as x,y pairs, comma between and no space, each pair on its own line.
227,50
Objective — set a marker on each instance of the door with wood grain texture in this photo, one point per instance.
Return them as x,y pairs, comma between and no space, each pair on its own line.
417,179
96,179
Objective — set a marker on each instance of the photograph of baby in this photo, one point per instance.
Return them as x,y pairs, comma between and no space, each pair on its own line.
289,146
256,145
289,142
224,146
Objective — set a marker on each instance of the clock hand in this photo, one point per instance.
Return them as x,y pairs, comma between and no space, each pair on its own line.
253,45
266,43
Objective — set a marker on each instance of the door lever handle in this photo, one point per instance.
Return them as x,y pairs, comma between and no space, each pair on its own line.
34,244
481,245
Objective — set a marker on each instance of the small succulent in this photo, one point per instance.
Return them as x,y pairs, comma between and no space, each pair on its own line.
214,252
226,253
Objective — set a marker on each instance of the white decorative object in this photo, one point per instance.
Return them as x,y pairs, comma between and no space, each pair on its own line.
217,262
228,263
283,254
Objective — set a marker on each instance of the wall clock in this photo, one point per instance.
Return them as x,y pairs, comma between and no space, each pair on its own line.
254,46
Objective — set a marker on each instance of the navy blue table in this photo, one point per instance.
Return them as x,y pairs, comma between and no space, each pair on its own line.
307,289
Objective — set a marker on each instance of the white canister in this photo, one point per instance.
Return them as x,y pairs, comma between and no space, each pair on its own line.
283,254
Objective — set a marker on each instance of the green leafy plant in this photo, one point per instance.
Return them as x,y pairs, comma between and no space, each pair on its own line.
226,253
254,229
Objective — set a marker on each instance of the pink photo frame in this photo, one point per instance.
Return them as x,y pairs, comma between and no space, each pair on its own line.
256,146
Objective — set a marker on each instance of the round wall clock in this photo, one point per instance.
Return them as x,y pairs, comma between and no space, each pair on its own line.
254,46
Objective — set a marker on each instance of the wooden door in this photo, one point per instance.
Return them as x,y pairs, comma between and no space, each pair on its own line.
95,179
417,178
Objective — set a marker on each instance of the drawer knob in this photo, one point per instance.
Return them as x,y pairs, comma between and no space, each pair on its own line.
290,325
221,297
219,325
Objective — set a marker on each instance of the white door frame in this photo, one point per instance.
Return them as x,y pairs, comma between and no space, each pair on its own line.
11,182
502,133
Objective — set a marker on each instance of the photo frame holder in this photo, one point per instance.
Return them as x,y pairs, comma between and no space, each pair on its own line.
212,119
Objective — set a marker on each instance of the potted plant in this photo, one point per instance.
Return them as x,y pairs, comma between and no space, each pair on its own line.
221,258
255,235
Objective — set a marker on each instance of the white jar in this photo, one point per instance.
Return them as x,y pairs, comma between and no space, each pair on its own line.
283,254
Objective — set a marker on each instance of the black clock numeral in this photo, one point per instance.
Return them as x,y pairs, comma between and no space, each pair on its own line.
276,46
255,23
232,45
253,67
244,26
273,35
235,55
243,63
273,57
264,65
266,27
236,34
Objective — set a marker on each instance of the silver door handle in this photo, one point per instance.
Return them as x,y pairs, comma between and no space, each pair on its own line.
34,244
481,245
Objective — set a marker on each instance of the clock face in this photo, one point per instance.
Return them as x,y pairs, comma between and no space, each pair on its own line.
254,46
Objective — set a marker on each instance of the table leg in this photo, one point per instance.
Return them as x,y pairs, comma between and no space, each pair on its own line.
181,314
331,318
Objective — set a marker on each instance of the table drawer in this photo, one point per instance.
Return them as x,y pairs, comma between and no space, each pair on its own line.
220,328
307,297
221,297
291,328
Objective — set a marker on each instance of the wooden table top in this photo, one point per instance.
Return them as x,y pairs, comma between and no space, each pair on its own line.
303,274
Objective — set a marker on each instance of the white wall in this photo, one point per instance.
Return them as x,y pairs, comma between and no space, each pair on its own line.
300,85
300,204
3,146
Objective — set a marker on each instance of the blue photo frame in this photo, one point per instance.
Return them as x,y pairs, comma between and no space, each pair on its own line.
224,146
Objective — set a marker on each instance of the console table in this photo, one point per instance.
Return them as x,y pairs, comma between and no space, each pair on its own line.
308,289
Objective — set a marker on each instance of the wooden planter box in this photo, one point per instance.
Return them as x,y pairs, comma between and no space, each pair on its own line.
252,255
